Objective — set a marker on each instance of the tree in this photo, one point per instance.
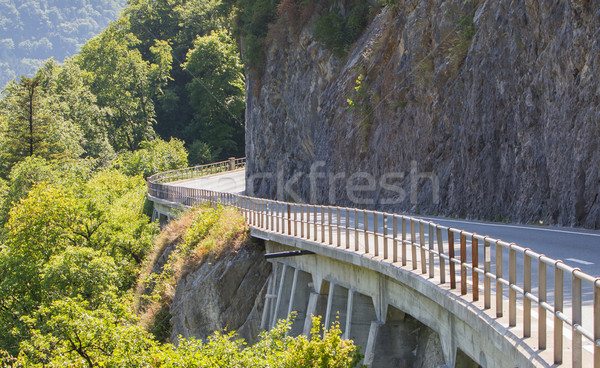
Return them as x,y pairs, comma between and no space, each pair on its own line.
125,85
36,170
217,94
54,229
153,157
52,116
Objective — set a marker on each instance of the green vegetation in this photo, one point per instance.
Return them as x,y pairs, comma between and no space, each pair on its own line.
337,29
159,88
33,31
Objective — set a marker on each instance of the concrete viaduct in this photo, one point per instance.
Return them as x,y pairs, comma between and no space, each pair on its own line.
377,273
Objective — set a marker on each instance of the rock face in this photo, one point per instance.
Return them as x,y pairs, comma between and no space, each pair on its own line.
225,294
485,109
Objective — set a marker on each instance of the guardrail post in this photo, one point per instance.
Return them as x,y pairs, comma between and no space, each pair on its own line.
403,241
289,221
487,267
315,223
375,238
451,262
347,228
339,229
512,294
231,163
527,290
597,323
356,247
308,222
542,299
422,246
295,220
385,235
323,225
431,246
302,221
395,241
413,240
330,223
463,261
366,231
440,243
576,304
558,308
475,262
499,286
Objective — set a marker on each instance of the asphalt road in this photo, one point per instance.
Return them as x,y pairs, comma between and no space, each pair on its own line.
576,247
579,248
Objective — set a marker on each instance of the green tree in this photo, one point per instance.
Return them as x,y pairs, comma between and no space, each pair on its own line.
42,236
35,170
71,332
153,157
32,125
217,93
124,83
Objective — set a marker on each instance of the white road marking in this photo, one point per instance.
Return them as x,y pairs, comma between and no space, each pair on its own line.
509,226
580,261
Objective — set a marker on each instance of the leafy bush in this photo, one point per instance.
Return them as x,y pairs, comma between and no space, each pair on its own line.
153,157
201,233
71,333
337,30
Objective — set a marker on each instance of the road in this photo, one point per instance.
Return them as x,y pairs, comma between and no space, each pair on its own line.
576,247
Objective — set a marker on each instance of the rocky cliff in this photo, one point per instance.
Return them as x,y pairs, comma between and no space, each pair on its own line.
485,109
224,294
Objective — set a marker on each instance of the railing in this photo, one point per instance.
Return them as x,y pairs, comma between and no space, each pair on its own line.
456,259
198,171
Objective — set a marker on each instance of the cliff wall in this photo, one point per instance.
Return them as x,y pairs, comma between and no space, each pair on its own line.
484,109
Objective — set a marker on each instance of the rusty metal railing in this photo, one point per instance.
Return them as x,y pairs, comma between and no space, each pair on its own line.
453,258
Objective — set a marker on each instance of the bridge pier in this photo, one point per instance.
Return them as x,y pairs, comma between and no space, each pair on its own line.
398,318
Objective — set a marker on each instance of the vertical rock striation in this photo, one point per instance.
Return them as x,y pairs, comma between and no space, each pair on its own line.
225,294
497,100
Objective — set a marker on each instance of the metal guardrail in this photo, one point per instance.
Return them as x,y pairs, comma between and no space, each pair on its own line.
451,256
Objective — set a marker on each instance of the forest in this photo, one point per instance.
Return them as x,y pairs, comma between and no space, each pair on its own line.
160,88
34,31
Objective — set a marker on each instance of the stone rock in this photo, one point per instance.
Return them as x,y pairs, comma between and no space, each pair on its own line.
485,109
225,294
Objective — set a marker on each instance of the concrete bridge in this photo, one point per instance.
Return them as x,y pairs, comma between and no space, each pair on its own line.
384,276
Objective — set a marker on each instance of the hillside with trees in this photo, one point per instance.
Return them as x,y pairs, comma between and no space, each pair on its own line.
34,31
159,88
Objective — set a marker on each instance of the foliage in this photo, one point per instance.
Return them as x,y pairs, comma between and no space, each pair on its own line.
124,83
53,115
337,29
70,332
199,234
81,272
33,126
153,157
180,107
34,170
33,31
63,241
218,76
252,25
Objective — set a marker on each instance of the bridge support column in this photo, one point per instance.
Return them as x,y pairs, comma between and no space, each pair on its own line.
284,294
337,306
360,316
299,300
371,342
317,306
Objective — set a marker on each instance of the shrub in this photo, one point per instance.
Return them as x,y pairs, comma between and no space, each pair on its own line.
337,30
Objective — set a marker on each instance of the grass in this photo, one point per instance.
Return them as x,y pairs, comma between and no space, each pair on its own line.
200,235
